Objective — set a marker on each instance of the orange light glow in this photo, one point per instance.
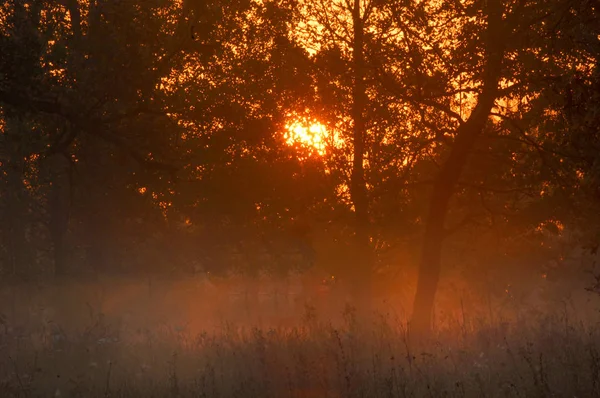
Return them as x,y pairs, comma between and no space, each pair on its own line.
312,136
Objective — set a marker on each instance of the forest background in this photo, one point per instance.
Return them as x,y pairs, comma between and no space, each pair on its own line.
390,144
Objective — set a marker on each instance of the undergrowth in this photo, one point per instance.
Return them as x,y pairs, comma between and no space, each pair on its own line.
364,354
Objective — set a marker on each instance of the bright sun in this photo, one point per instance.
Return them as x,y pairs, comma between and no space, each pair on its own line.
311,136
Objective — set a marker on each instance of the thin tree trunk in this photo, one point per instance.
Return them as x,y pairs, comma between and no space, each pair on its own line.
443,189
75,15
358,189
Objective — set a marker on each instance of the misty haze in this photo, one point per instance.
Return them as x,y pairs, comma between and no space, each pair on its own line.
299,198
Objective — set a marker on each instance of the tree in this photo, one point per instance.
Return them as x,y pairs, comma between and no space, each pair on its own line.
501,72
371,154
71,101
450,172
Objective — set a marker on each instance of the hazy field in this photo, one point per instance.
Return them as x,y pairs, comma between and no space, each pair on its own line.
203,338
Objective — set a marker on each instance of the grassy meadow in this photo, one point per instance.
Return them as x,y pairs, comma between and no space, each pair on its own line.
197,339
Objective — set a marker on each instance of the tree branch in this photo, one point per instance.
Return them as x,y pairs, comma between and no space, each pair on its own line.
86,125
390,83
33,105
139,157
483,188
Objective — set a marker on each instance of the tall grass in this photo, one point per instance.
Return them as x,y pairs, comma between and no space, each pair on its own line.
65,344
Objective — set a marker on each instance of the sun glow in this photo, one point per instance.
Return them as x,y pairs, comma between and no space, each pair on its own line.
312,136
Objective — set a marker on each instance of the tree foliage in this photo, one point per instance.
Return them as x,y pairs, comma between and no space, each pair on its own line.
152,137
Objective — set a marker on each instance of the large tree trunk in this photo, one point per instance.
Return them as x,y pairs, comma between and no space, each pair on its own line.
358,188
466,136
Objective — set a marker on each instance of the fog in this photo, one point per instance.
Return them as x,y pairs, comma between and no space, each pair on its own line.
283,198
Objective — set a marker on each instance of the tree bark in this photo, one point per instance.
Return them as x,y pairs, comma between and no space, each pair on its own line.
358,188
443,188
75,15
